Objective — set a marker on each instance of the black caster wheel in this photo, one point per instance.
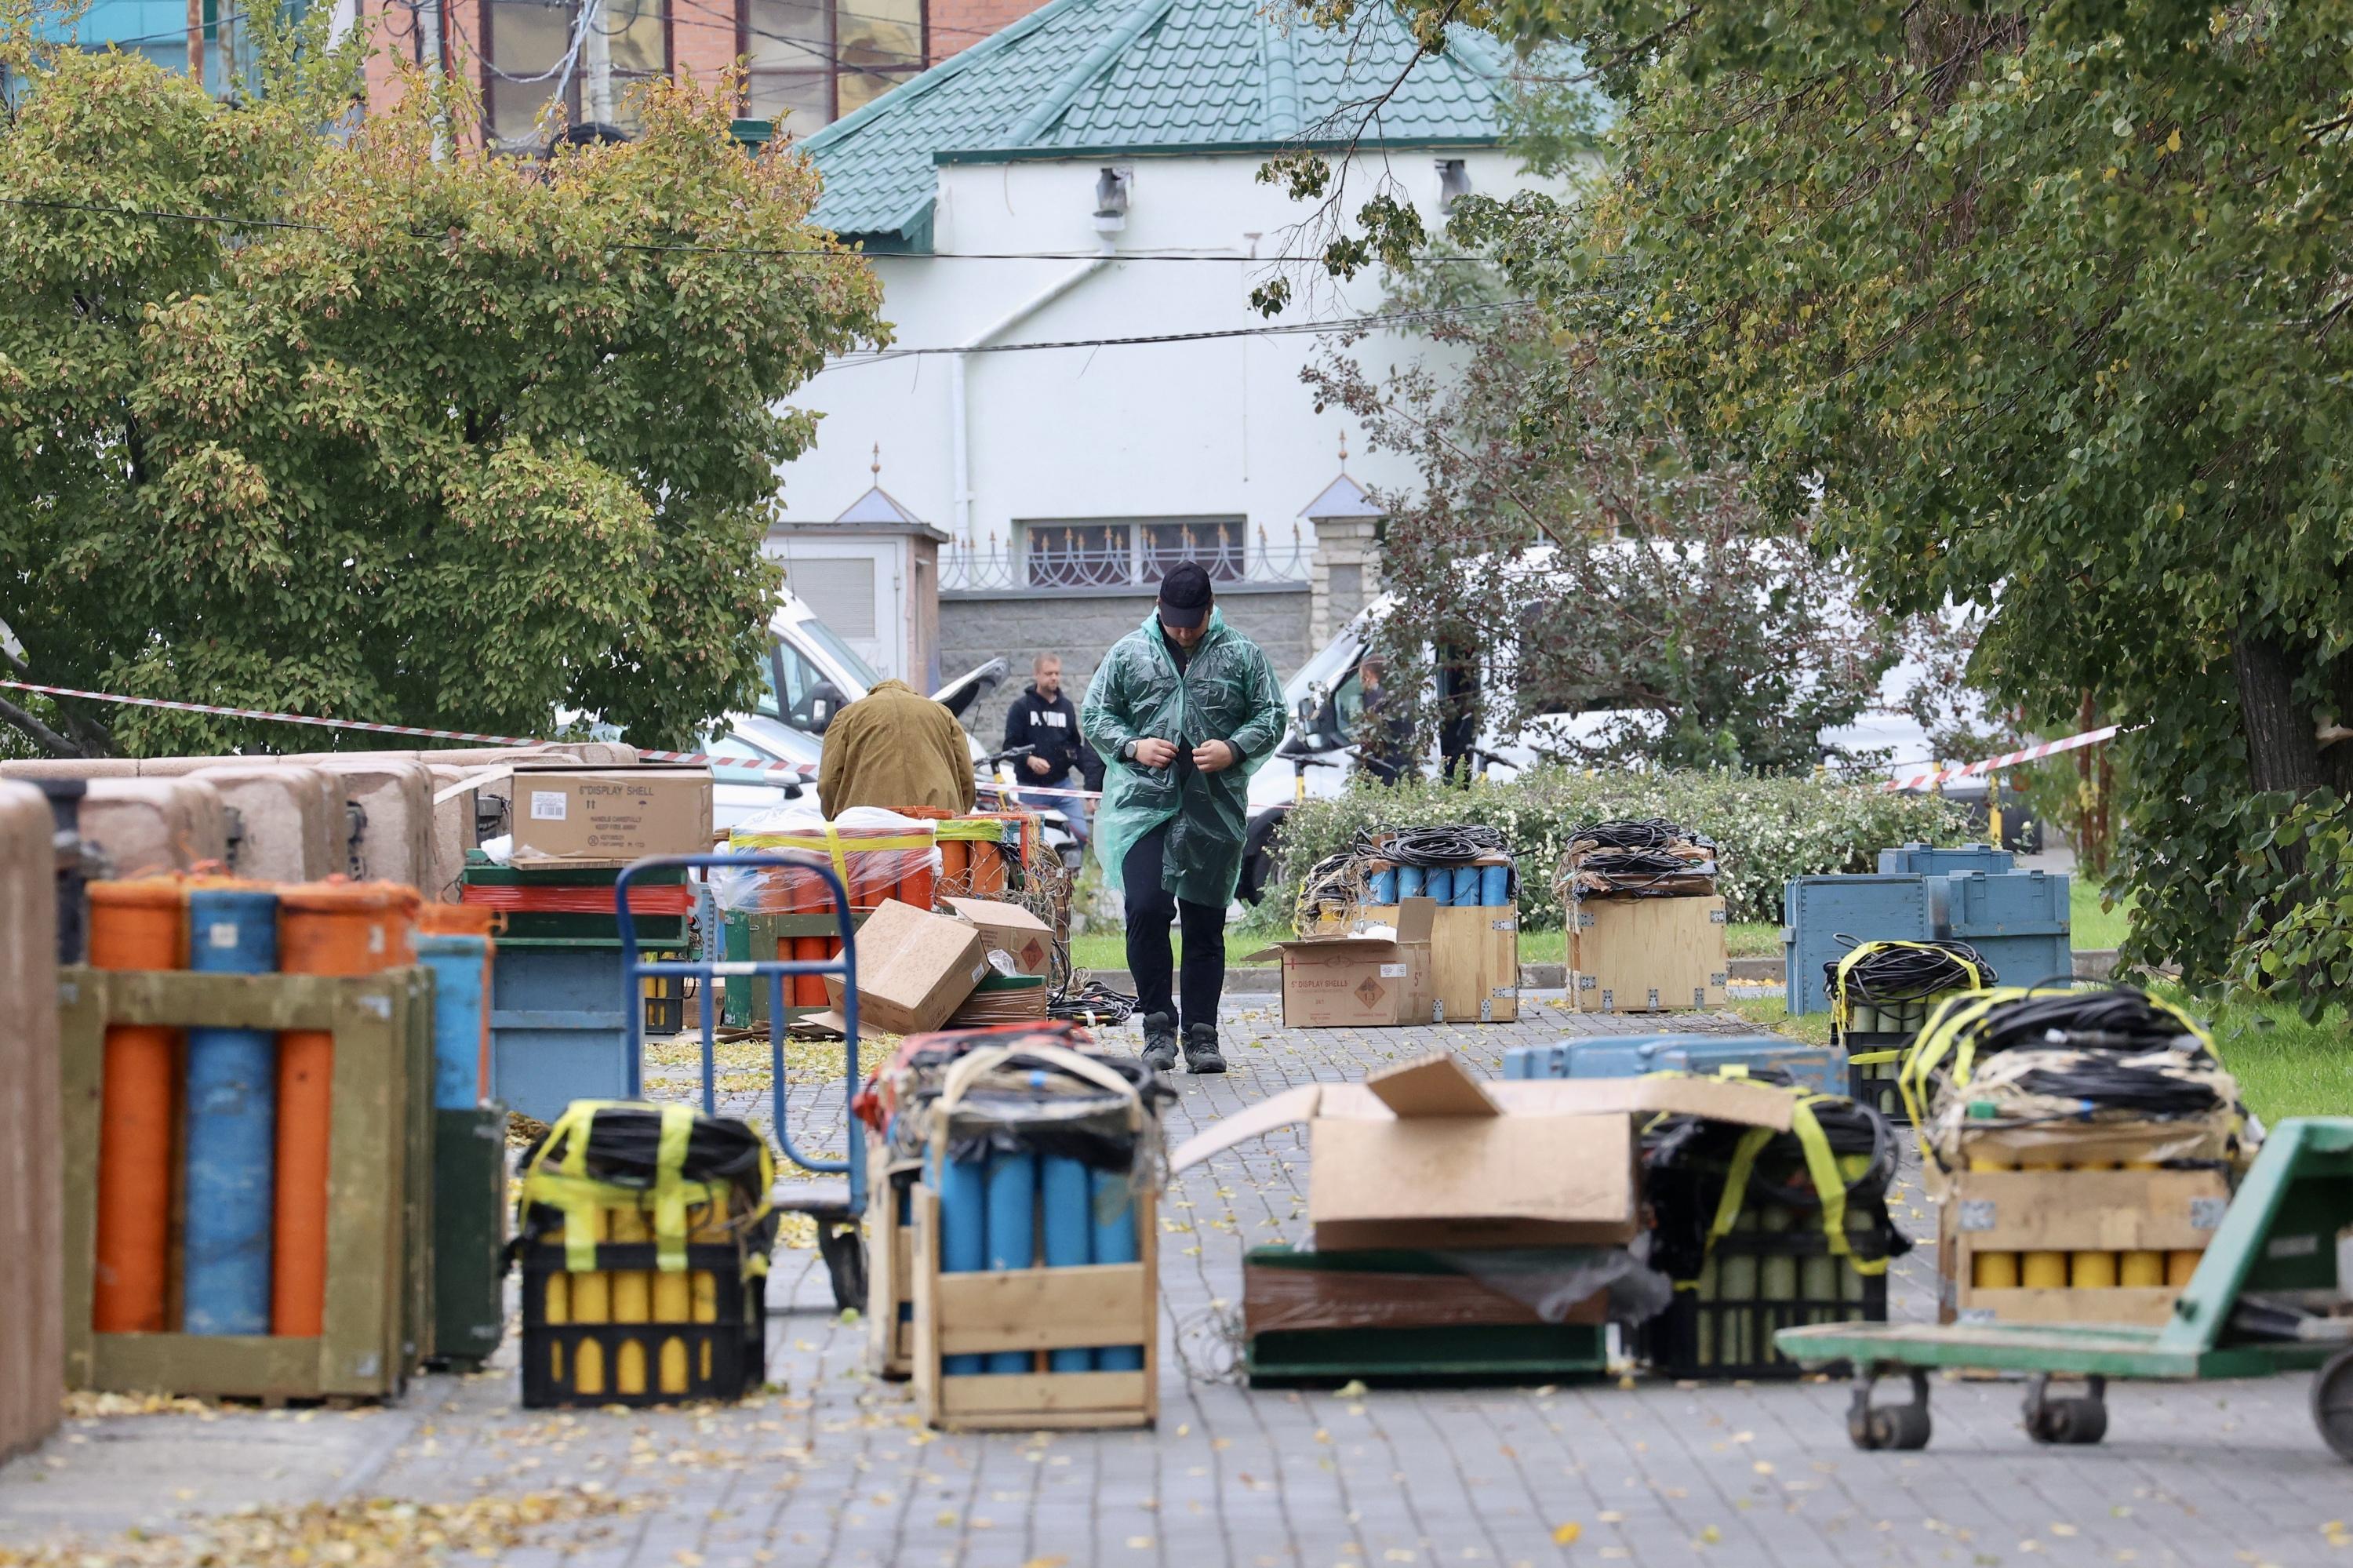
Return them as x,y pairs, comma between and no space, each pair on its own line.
845,1260
1896,1427
2066,1421
2332,1404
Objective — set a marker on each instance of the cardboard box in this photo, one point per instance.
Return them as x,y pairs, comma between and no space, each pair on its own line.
1474,961
609,816
1012,930
914,968
1361,979
1424,1155
1647,955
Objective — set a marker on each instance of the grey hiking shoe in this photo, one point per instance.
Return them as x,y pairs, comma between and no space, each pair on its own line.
1201,1049
1160,1041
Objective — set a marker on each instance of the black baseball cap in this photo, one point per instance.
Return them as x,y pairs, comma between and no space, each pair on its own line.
1185,596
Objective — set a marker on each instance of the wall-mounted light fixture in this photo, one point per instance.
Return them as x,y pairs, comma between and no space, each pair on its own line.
1111,199
1453,182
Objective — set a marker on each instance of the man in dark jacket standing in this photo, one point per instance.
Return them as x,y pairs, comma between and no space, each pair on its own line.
1044,719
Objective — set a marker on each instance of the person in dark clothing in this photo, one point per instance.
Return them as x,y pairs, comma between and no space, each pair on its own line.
1184,709
1384,732
1044,719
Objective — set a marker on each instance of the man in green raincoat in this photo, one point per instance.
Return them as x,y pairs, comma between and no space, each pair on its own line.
1182,711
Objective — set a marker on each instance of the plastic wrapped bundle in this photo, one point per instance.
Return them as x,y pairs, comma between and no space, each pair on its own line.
878,855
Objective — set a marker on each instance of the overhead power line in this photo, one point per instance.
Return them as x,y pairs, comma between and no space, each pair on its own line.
235,220
1274,329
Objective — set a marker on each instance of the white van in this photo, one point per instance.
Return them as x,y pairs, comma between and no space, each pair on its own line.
811,674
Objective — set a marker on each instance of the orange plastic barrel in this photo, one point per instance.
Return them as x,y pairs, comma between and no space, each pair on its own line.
135,926
325,928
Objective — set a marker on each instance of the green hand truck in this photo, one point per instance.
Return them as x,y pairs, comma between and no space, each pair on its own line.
2266,1298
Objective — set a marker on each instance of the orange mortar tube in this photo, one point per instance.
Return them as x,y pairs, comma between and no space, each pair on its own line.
135,926
325,928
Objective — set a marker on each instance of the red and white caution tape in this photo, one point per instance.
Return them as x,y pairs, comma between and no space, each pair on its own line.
696,759
2007,759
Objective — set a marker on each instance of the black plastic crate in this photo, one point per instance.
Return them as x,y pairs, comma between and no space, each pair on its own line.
722,1359
1873,1083
1754,1283
665,1004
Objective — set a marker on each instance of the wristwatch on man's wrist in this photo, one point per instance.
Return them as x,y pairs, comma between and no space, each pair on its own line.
1127,752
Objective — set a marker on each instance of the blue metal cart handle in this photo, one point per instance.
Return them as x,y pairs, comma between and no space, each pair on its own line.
635,972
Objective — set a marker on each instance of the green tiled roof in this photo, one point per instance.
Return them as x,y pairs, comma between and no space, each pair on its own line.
1135,76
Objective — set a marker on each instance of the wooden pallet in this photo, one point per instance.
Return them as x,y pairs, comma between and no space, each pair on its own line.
890,1271
1036,1309
379,1225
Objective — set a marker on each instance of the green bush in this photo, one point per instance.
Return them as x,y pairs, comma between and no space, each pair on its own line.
1766,829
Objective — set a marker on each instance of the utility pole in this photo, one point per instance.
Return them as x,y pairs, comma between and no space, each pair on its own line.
429,54
597,55
196,41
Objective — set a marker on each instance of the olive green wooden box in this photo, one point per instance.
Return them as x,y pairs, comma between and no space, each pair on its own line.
379,1224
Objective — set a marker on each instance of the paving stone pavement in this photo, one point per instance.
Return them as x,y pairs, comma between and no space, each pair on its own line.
835,1471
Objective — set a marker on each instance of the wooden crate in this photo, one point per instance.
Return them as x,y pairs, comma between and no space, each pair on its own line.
2070,1211
378,1291
32,1344
1646,955
1036,1309
890,1271
1474,960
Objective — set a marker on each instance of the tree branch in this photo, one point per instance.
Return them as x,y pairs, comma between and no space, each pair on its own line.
42,734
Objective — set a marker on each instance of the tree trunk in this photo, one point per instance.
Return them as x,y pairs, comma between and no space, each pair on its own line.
2283,748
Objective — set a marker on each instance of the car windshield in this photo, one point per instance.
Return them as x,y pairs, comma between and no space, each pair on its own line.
819,633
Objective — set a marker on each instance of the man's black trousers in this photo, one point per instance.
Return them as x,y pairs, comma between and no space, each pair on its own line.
1150,909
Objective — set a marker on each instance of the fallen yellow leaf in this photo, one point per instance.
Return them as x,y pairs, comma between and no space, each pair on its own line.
1567,1534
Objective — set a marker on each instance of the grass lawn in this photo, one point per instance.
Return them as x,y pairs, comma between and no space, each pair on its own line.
2091,926
2284,1066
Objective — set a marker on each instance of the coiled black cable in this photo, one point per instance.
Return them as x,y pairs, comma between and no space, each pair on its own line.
1431,846
2107,1017
1908,971
2148,1091
1634,834
625,1148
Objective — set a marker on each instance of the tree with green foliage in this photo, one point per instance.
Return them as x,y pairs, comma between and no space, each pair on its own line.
313,410
1630,607
2041,308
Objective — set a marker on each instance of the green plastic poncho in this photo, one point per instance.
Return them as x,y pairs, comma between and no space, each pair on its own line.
1227,693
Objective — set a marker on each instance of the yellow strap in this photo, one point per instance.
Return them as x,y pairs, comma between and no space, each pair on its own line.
975,830
1735,1183
670,1200
1830,1184
1870,1058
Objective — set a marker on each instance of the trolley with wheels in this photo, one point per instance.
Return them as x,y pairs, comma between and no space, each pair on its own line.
2265,1298
836,1205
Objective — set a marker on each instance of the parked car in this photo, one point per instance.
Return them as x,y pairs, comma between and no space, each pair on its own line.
1325,700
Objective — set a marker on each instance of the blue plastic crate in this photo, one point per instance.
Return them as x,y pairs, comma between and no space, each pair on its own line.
2020,920
1931,859
558,1030
1819,1067
1821,910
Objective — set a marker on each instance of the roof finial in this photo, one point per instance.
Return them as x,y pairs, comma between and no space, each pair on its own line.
1343,451
876,469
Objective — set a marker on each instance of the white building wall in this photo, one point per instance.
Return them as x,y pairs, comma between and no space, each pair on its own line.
1220,429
